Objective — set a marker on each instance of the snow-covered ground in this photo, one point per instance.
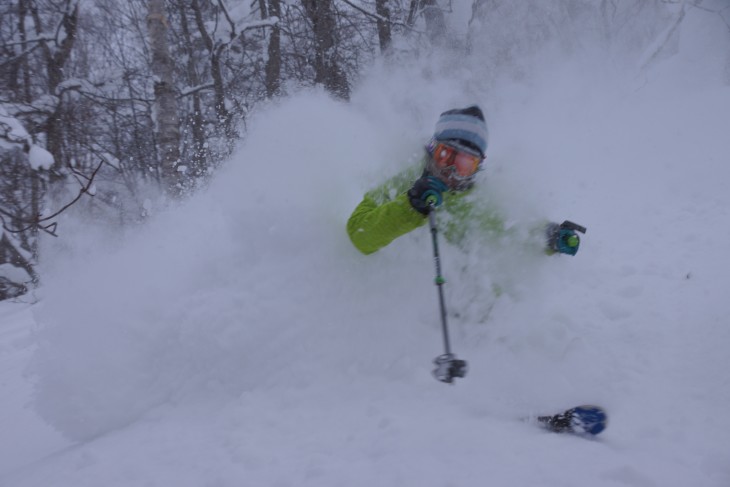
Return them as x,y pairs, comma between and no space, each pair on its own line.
242,341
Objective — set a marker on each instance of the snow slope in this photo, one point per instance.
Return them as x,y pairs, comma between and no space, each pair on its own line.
241,340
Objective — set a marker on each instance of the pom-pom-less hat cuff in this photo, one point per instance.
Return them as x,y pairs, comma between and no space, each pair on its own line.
462,127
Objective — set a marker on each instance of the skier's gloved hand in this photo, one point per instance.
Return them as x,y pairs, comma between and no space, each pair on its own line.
426,194
561,240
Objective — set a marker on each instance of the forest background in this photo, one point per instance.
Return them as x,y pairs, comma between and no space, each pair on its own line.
113,110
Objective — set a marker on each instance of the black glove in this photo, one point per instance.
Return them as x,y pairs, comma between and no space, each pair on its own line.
562,238
426,194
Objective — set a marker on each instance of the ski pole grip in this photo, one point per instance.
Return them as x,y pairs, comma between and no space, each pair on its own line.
572,241
432,198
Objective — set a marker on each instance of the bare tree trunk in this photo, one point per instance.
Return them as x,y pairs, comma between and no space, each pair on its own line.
273,63
168,125
224,116
215,50
435,21
23,62
197,122
55,61
412,12
36,200
326,69
384,36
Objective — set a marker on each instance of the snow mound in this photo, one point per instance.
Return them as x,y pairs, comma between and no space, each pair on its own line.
245,322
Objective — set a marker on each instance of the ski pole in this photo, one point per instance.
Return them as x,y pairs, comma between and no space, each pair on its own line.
448,366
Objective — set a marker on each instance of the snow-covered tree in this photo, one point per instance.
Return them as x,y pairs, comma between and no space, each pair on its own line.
167,113
23,167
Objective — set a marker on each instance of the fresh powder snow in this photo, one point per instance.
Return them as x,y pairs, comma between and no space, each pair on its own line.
241,340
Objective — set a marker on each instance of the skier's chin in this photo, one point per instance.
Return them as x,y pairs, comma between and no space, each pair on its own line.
452,181
456,183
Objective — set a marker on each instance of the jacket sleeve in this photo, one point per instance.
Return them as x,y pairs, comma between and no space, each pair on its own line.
372,226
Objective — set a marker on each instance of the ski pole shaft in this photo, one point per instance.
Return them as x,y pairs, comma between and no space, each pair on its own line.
439,279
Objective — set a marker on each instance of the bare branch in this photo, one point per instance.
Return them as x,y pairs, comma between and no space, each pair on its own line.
270,22
28,41
50,228
223,7
366,12
19,56
669,33
378,17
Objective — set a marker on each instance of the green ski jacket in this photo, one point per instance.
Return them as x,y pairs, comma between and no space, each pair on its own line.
385,214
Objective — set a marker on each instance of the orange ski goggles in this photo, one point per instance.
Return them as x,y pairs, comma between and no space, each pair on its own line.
465,162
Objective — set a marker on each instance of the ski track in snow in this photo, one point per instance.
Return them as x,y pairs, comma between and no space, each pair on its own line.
241,340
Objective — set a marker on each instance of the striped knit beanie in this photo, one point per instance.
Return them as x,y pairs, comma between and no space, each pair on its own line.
466,125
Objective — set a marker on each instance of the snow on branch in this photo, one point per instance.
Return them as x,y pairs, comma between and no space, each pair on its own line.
194,89
12,132
39,158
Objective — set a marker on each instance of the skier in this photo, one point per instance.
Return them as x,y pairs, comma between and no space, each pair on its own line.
452,159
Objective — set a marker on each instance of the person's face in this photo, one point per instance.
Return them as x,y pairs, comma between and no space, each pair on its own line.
453,164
